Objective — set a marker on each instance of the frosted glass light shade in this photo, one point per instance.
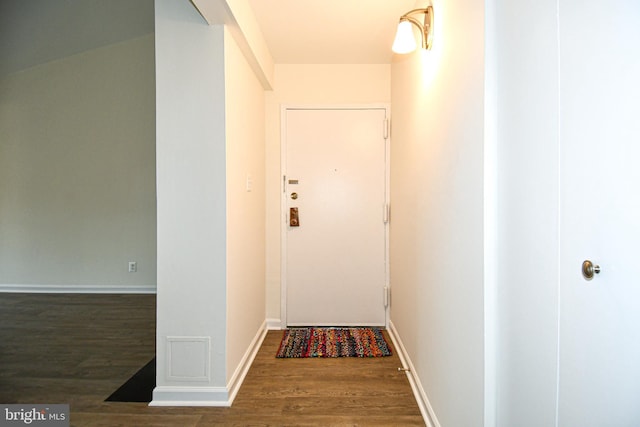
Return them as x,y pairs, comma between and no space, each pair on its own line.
405,42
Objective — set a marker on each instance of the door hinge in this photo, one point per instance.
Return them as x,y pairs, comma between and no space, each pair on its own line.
385,128
385,213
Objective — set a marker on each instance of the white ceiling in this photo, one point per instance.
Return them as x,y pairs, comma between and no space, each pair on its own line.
330,31
297,31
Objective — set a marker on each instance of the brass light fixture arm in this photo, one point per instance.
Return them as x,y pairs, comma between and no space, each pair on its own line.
425,28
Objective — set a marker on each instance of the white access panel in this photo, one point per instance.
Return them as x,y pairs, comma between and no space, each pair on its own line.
335,175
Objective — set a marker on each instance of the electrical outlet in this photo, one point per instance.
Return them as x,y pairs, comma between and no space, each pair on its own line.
133,266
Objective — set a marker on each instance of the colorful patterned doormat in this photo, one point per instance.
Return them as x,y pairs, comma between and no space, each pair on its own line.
333,342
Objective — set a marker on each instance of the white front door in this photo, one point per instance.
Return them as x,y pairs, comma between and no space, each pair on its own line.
335,250
599,363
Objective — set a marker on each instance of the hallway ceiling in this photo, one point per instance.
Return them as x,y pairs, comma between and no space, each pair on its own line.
296,31
330,31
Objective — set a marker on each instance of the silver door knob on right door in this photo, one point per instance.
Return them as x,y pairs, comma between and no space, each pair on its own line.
589,269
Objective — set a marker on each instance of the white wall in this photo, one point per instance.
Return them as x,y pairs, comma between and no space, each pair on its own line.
437,205
309,85
245,135
523,66
191,189
77,171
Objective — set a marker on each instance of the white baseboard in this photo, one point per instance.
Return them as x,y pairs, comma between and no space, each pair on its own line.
243,368
77,289
426,409
274,324
211,396
190,396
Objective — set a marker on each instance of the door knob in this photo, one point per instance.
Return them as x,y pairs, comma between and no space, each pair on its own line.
589,269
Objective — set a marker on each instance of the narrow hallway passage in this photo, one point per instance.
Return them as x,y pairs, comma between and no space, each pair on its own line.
79,348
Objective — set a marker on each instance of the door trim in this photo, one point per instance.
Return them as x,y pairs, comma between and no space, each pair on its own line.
283,202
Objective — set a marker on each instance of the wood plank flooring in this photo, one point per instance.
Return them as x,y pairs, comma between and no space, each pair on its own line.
78,349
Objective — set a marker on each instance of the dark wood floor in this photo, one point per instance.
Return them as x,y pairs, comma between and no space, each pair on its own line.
78,349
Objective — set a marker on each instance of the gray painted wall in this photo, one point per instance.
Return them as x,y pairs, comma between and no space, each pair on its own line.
77,169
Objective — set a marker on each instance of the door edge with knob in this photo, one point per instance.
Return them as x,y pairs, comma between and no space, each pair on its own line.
589,269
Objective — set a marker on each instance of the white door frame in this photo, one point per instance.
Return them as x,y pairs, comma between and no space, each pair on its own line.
283,200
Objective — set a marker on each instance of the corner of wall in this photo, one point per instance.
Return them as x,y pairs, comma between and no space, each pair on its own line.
428,414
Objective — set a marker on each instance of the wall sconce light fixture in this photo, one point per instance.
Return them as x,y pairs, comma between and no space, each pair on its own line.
405,42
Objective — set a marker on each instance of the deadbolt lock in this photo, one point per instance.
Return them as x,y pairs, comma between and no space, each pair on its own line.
294,196
294,220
